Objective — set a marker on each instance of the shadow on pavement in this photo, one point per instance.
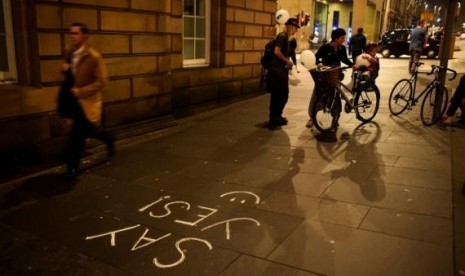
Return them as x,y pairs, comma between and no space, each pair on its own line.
326,137
357,150
47,185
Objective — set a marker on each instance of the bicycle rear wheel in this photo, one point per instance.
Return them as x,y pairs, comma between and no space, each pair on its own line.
326,111
366,103
400,95
434,105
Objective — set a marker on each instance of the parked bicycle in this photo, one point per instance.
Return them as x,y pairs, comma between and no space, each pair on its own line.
436,95
330,92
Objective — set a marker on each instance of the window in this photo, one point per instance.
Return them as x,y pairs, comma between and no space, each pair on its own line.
196,32
7,54
335,20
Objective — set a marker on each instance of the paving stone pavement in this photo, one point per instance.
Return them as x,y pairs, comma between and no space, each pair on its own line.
222,195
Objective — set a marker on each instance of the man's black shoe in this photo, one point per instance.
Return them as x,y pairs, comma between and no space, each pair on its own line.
271,125
70,174
280,121
111,148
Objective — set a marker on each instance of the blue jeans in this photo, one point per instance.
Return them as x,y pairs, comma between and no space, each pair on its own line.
415,55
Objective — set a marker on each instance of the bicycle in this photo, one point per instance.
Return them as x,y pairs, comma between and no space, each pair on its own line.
330,92
434,103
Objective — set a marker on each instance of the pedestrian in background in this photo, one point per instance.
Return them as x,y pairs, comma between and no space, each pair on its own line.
357,43
277,79
331,54
89,77
417,39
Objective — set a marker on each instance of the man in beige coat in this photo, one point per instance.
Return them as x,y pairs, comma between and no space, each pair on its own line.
89,76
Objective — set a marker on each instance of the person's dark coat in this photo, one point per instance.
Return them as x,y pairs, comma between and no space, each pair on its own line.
356,44
67,103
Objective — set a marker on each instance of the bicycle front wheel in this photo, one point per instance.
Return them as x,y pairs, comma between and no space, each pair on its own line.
434,105
401,93
326,110
366,103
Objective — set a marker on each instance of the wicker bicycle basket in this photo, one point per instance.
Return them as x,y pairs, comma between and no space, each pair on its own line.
328,76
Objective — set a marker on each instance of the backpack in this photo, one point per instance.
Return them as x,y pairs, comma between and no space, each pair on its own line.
268,54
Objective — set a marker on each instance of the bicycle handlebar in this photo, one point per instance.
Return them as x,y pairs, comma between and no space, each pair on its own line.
324,68
442,68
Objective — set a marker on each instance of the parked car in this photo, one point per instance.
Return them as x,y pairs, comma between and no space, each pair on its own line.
460,34
396,43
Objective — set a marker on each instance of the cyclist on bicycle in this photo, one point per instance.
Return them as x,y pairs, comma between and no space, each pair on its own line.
418,38
331,54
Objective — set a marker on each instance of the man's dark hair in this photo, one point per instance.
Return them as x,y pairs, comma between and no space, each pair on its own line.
360,30
82,26
370,46
337,33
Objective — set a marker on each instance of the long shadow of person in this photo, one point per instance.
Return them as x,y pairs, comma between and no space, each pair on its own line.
363,162
302,245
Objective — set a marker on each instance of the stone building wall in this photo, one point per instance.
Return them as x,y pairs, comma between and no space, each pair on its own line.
141,42
243,28
136,39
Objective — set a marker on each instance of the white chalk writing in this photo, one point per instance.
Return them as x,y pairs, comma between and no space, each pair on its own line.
183,256
203,213
257,198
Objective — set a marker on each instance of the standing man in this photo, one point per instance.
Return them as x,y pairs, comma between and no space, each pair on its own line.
277,79
417,39
357,43
89,77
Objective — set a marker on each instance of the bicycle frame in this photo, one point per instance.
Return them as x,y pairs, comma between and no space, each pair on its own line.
432,84
342,91
343,94
413,80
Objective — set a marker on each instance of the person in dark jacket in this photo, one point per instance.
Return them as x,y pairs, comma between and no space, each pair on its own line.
292,53
357,43
277,78
331,54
